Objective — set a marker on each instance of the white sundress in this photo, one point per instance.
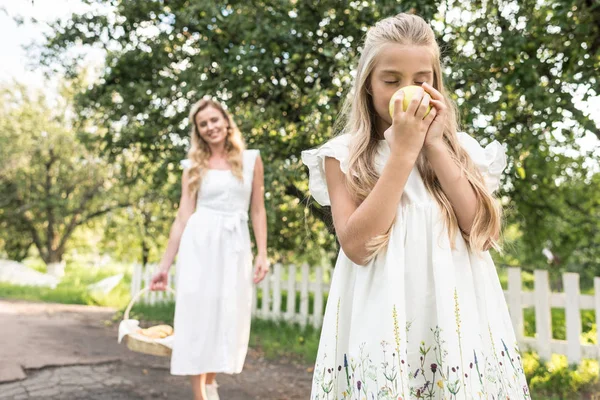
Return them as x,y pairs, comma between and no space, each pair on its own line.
214,276
422,320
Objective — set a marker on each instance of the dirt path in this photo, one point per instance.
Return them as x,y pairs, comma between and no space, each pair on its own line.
55,351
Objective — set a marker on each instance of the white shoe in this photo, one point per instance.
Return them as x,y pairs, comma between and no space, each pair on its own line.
211,391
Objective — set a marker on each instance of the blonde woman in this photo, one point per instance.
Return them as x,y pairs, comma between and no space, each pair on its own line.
415,309
210,237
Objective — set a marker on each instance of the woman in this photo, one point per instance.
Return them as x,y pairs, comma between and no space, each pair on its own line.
221,180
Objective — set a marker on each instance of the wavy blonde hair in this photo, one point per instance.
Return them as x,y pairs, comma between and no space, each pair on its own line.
356,119
200,152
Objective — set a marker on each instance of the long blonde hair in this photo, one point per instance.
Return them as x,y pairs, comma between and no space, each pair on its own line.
200,152
356,117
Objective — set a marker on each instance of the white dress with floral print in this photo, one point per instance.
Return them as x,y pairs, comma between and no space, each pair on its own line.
422,320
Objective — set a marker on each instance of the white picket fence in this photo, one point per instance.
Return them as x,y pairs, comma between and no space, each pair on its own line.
275,286
306,282
543,300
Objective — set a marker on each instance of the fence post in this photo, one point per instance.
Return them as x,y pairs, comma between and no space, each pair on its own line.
515,287
136,279
172,284
276,312
290,311
572,316
145,298
543,319
318,305
265,298
254,301
597,309
304,295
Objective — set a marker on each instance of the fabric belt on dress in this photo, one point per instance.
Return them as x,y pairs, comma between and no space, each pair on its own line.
233,224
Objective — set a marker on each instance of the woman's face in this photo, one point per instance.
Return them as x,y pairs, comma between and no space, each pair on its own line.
212,125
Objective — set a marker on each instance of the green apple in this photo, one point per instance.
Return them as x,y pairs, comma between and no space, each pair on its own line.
409,92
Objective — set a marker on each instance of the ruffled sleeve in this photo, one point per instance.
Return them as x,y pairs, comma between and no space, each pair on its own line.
314,159
186,163
490,160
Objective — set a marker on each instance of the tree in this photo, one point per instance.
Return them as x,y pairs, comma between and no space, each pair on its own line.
284,68
50,183
140,231
283,79
14,240
515,69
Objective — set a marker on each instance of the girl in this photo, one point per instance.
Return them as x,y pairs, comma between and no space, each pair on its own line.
415,309
214,283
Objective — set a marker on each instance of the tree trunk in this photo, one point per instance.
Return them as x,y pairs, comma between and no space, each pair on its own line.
145,253
55,263
146,218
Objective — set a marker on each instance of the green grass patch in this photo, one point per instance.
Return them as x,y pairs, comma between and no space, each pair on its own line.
73,287
279,340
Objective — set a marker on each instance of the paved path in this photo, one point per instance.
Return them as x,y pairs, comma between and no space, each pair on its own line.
52,351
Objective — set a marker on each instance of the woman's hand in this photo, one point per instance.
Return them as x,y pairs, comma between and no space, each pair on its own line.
160,279
435,133
261,267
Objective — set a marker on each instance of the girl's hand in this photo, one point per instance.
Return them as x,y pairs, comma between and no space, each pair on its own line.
261,267
409,128
160,279
435,133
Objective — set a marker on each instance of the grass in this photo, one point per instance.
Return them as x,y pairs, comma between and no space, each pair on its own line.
73,287
281,340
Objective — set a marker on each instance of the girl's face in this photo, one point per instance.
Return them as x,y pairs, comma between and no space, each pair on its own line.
212,125
397,66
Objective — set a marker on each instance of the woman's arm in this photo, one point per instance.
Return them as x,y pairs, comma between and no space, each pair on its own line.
259,221
187,206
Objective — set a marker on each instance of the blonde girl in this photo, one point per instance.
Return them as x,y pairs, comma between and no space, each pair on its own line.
415,309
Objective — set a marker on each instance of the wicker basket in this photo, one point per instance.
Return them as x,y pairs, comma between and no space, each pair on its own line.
140,343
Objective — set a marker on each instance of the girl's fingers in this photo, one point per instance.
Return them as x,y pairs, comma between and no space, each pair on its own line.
398,107
413,106
439,105
431,116
423,106
433,92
